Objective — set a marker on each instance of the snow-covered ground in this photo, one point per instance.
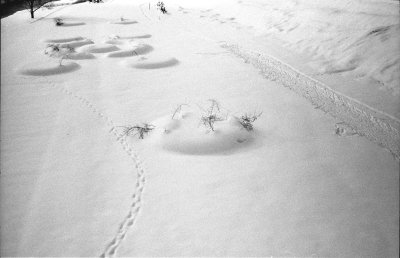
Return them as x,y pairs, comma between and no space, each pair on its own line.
299,184
359,38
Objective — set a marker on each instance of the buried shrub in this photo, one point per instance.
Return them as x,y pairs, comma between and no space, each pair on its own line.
161,7
247,120
211,115
140,130
58,21
209,120
54,50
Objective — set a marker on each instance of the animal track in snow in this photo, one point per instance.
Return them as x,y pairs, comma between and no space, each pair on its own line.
136,199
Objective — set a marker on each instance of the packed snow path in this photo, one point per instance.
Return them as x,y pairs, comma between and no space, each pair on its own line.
69,189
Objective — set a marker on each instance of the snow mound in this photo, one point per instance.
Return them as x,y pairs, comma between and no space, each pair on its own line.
70,24
153,63
122,53
80,56
63,40
142,49
188,136
124,22
138,50
46,69
114,42
144,36
119,39
98,48
75,44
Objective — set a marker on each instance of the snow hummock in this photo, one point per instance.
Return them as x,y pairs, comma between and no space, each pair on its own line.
124,22
132,49
97,48
64,40
153,63
48,68
186,135
75,43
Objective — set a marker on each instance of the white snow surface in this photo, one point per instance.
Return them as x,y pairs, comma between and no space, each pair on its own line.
359,38
72,184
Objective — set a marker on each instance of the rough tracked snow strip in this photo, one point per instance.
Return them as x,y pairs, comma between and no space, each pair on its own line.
377,126
129,220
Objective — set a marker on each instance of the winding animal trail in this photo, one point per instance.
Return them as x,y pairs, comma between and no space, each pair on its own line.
135,206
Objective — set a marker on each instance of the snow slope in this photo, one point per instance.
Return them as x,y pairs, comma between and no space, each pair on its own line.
356,38
353,46
73,185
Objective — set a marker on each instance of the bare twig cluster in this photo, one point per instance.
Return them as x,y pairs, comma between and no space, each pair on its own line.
55,50
212,115
209,121
247,120
178,110
140,130
34,5
58,21
161,7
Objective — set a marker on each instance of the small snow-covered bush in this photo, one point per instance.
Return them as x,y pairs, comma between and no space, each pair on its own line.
209,120
247,120
140,130
212,115
161,7
51,48
58,21
54,50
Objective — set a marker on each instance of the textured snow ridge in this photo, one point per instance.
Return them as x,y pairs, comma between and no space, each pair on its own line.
377,126
129,220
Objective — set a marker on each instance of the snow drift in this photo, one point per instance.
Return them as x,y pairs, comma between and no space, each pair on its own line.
357,38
